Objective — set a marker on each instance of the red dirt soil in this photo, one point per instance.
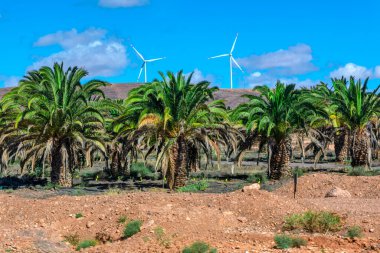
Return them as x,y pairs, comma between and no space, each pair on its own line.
234,222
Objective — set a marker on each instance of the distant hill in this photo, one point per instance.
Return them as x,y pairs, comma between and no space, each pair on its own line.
120,91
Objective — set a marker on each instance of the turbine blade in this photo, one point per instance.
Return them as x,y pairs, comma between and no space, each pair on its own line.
138,53
218,56
142,67
156,59
233,45
237,64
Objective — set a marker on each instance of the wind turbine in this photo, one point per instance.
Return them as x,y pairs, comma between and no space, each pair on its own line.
143,66
232,59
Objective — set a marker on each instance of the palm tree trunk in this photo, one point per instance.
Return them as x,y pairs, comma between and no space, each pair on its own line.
280,160
341,144
177,172
58,176
361,149
115,163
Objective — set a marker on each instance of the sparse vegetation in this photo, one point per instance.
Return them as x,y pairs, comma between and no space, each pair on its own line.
73,239
360,171
260,178
354,232
285,242
313,222
140,171
132,228
201,185
122,219
78,215
86,244
161,237
299,171
199,247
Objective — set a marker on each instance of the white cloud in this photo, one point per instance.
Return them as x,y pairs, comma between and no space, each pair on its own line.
90,49
294,60
258,78
10,81
68,39
351,69
377,72
198,76
122,3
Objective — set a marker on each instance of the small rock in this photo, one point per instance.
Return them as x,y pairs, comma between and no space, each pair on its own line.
242,219
90,224
337,192
251,187
187,218
371,230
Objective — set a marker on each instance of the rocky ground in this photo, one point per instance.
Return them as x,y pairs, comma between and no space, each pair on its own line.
231,222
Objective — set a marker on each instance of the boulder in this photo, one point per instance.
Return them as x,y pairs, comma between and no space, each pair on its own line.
337,192
251,187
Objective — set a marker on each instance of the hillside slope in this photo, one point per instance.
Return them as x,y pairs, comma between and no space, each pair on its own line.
120,91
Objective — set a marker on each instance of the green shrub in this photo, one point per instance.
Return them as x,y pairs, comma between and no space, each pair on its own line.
199,247
161,237
86,244
286,242
132,228
73,239
78,215
122,219
360,171
201,185
300,172
310,221
51,186
283,241
140,171
260,178
354,231
297,242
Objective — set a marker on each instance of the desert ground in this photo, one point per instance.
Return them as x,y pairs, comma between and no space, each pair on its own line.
239,221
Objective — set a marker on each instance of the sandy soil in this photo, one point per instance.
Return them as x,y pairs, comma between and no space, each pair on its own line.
232,222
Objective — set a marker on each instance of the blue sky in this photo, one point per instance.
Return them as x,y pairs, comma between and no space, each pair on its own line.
294,41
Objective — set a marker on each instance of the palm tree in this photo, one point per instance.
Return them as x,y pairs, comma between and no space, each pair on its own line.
356,107
178,120
57,119
273,114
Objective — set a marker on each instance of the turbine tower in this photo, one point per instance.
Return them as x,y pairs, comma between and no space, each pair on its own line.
232,60
143,66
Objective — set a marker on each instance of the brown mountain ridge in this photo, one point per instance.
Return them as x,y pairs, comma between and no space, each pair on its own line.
120,91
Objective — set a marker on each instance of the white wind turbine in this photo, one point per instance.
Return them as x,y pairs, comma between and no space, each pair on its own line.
143,66
232,59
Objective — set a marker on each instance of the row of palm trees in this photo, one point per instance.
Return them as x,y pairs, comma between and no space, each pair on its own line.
53,119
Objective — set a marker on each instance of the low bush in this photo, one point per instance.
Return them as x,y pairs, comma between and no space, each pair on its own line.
360,171
299,171
132,228
354,231
161,237
260,178
313,222
201,185
86,244
286,242
78,215
140,171
199,247
73,239
122,219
